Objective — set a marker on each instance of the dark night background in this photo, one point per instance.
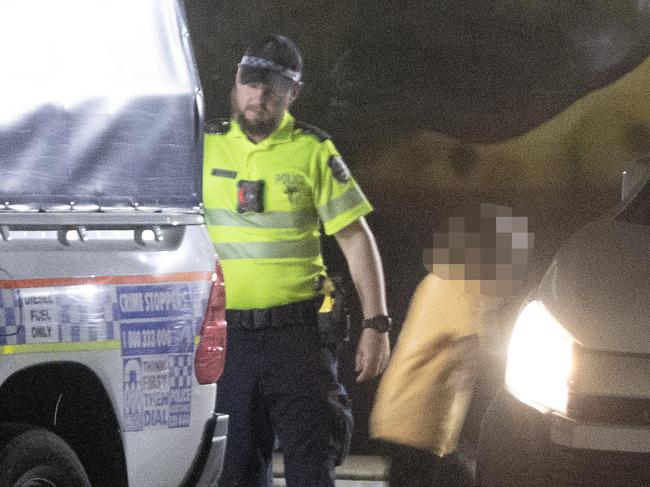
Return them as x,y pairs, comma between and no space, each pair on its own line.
534,104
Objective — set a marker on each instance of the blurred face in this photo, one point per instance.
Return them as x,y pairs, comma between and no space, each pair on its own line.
487,247
258,106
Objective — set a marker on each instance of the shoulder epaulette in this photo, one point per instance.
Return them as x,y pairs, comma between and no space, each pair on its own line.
219,126
321,135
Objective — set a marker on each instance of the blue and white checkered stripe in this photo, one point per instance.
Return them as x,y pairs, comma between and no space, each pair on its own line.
9,317
261,63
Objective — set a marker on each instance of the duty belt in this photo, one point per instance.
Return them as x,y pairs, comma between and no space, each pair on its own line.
299,313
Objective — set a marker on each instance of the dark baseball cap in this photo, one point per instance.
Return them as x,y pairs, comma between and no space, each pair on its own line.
274,59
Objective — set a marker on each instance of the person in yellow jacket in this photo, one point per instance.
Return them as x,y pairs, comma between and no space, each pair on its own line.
269,182
478,259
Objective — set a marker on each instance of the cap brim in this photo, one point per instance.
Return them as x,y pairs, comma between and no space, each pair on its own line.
249,74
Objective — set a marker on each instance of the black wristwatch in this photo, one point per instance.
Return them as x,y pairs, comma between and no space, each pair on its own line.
380,323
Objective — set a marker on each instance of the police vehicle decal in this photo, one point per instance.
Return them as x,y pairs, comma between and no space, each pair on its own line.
157,353
151,322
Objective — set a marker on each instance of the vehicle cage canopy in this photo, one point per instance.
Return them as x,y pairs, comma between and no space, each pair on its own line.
100,106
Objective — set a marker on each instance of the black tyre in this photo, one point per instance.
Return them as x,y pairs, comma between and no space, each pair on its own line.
38,458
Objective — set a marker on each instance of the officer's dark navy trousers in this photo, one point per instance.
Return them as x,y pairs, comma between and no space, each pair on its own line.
282,382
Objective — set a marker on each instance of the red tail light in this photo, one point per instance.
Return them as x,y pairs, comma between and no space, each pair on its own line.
211,352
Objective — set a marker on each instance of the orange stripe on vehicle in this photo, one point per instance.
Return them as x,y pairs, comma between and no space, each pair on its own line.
106,280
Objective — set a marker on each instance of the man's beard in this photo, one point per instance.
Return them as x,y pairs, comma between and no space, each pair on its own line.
255,128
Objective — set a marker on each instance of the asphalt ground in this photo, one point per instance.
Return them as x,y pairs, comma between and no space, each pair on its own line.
356,471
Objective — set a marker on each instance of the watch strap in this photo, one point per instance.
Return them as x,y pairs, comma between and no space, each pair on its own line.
380,323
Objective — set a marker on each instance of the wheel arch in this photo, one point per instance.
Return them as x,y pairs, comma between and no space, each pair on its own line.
69,399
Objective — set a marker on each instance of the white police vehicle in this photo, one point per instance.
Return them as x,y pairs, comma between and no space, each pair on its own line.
576,409
112,312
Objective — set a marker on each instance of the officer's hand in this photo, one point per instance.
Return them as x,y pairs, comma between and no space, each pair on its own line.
372,354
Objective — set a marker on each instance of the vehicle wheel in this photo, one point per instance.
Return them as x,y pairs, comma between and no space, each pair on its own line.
31,457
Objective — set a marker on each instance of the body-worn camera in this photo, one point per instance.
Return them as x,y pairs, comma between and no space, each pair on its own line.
250,196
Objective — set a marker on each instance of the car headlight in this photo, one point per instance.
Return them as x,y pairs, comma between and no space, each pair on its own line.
540,360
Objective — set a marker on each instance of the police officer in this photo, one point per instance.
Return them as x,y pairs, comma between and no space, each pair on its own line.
268,182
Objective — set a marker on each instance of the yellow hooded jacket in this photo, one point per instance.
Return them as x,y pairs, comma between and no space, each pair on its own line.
425,392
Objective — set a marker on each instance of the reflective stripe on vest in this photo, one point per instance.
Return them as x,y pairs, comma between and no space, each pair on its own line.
305,248
271,219
351,198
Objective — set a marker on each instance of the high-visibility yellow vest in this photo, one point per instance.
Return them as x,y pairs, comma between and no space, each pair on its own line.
273,257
